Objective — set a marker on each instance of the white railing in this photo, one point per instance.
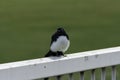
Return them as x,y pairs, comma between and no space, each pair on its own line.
56,66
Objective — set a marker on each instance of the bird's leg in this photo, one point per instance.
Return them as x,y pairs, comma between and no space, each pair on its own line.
59,53
65,55
54,54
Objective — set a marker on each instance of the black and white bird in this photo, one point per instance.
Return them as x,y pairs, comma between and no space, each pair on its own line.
59,43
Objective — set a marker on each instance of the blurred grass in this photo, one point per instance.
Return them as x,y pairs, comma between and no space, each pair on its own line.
27,25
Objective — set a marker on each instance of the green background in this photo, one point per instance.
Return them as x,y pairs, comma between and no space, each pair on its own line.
26,26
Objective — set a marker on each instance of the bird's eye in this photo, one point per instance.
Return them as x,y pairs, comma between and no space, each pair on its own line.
58,31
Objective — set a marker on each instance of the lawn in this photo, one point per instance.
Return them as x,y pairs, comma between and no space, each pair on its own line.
26,26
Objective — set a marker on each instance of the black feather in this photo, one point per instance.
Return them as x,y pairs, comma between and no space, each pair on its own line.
59,32
50,53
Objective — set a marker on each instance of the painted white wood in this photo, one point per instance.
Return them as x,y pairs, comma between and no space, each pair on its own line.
93,74
58,77
53,66
113,72
71,76
103,73
81,75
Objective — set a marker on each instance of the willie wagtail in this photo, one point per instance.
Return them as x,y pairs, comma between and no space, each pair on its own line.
59,43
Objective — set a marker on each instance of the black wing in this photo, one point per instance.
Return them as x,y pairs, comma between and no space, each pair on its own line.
57,34
54,37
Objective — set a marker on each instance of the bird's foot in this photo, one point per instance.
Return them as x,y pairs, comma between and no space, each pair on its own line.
65,55
60,54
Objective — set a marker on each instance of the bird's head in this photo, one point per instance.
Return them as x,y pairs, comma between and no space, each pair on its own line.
60,30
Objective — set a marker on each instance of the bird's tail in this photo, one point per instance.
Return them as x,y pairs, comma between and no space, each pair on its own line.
50,53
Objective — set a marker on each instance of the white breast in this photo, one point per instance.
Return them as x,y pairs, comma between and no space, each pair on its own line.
61,44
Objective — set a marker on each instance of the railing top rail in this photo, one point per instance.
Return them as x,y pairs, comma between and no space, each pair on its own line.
44,67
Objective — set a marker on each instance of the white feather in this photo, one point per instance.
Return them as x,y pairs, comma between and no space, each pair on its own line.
62,44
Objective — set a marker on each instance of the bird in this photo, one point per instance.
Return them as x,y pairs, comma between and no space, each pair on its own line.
59,43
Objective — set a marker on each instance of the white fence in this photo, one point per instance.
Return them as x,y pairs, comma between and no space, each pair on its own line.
55,66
